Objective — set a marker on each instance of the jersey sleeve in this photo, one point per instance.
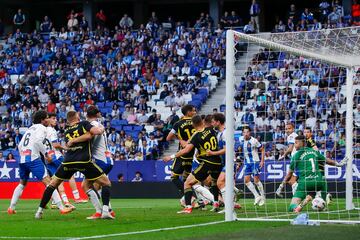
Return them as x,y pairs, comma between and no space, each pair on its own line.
52,136
257,143
310,143
87,126
293,162
193,140
175,128
291,139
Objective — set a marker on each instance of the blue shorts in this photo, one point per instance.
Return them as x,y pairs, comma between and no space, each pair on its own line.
252,169
36,167
194,165
104,166
54,165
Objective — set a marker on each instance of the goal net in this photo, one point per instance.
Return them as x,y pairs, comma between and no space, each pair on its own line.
312,80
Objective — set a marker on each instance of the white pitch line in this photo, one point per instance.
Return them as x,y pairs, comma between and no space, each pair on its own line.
119,234
78,209
147,231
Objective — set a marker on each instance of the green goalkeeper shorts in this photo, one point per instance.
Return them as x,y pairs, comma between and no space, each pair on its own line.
306,187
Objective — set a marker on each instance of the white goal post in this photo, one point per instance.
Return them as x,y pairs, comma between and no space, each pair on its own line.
315,45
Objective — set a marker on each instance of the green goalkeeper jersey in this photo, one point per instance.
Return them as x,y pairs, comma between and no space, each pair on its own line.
306,162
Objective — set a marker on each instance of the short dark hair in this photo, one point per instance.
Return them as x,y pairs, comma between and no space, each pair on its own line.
40,116
246,127
300,138
92,110
219,117
208,119
308,128
196,120
51,115
187,108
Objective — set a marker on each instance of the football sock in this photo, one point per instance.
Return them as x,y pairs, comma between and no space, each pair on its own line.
76,194
223,194
215,192
178,183
64,198
251,187
204,192
46,196
16,195
188,195
261,188
105,195
57,199
94,200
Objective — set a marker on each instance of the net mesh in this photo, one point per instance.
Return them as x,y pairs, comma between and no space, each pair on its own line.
273,88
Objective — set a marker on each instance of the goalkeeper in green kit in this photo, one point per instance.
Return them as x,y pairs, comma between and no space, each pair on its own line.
306,163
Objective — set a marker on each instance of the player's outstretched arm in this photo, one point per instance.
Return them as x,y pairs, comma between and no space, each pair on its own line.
332,162
216,153
180,153
83,138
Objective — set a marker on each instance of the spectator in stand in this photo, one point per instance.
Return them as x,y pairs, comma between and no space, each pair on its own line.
169,100
234,20
2,158
293,13
83,24
324,10
334,18
72,23
224,20
254,14
138,177
46,25
247,118
126,22
339,8
19,19
355,12
307,16
10,158
249,28
100,18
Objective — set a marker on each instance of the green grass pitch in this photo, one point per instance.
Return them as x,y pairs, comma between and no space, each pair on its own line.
136,215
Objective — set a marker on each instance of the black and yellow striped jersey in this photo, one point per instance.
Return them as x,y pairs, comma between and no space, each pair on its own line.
78,152
184,130
310,143
203,141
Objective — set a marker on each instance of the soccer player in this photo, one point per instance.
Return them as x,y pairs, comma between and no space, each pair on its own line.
31,147
291,135
204,139
182,130
306,161
78,158
54,158
250,148
102,158
219,123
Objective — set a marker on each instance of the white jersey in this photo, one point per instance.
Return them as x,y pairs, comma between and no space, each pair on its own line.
250,149
291,140
51,137
100,149
32,143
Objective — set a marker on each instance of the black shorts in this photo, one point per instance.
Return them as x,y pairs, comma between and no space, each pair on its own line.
205,169
181,165
90,170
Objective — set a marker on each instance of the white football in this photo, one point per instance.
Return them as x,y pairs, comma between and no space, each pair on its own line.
318,204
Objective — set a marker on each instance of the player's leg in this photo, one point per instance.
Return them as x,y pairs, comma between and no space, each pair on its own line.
75,191
55,195
24,172
214,189
293,183
300,194
249,184
177,171
94,198
256,174
198,175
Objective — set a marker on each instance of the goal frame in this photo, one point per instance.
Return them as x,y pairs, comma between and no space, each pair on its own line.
230,123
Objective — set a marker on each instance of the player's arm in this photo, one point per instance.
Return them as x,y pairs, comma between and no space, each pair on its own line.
287,152
180,153
216,153
83,138
172,134
262,150
97,130
335,163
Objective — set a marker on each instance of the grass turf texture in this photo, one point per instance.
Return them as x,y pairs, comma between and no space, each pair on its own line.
145,214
